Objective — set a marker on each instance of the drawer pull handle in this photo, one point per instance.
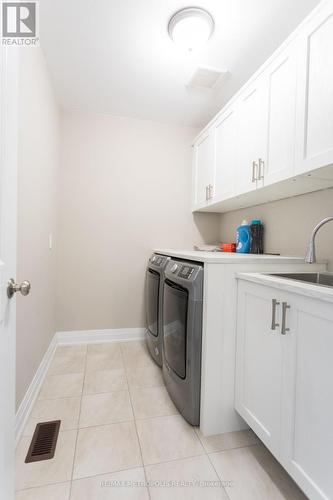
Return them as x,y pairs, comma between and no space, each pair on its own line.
261,169
284,328
254,171
274,323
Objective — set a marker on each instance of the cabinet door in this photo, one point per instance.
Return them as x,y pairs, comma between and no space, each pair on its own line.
315,104
252,143
308,432
281,81
225,131
259,363
202,169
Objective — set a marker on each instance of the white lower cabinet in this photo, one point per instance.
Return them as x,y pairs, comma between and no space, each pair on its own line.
284,380
259,361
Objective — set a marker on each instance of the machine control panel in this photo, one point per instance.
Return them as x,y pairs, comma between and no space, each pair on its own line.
186,272
158,260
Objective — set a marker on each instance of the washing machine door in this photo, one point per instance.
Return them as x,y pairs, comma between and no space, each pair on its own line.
175,306
152,300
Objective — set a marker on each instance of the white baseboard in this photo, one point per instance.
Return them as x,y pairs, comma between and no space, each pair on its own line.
97,336
30,396
67,338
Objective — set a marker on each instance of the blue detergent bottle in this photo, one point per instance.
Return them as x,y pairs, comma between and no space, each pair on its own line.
243,238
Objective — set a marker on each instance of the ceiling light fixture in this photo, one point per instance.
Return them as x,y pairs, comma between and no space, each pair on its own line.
191,27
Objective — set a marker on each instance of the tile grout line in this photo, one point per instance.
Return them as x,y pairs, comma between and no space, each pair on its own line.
220,451
210,461
133,468
33,488
217,474
136,429
78,423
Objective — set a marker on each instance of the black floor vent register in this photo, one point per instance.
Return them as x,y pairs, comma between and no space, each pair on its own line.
44,441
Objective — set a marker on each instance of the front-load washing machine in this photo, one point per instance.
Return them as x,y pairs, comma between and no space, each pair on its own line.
154,284
182,335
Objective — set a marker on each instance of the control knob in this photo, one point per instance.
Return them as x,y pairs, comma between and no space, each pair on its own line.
174,268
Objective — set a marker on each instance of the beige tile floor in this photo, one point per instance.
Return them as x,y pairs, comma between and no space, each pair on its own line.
120,431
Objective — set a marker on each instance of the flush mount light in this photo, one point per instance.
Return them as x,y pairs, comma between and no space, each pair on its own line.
191,27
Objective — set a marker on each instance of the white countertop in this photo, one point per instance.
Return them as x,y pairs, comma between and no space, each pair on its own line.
288,285
227,258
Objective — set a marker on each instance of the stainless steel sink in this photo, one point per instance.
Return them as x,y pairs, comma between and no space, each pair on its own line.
321,279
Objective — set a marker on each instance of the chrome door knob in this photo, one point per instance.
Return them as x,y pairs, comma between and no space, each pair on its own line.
13,288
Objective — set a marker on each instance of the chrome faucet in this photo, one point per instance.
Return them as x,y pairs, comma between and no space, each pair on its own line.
311,253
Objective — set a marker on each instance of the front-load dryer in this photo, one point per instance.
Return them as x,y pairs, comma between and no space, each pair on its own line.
154,284
182,335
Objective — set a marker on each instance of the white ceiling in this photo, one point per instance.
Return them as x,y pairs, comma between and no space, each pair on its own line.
115,56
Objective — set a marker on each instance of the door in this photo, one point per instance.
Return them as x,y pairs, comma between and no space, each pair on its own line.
8,195
281,81
175,306
202,170
315,103
259,362
152,300
225,162
308,432
252,144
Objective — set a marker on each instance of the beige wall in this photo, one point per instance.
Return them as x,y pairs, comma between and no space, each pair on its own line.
288,224
124,189
37,182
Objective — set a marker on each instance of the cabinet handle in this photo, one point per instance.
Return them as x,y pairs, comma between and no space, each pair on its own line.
207,197
261,169
284,329
210,190
254,171
274,323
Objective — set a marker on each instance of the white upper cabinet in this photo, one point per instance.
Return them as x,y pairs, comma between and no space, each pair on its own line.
281,84
267,116
252,106
315,104
277,130
225,143
203,170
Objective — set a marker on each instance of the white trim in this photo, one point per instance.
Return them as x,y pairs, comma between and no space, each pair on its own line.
30,396
98,336
67,338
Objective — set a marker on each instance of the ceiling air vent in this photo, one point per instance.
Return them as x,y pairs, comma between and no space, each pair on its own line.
44,441
207,78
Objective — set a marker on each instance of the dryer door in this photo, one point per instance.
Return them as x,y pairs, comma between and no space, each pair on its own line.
175,305
152,300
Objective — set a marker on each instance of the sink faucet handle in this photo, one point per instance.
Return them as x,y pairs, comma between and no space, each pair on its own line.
311,253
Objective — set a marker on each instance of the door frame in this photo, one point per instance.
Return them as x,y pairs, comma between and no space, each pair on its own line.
8,254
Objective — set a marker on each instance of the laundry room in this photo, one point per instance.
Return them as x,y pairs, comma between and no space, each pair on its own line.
166,264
